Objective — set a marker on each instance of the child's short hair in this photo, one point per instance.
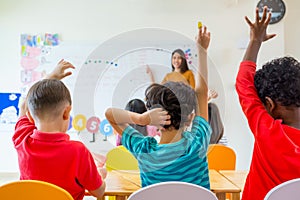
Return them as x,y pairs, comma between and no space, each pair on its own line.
177,98
136,105
47,96
279,79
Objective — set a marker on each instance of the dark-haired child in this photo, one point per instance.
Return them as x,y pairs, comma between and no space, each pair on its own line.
180,155
45,151
138,106
270,99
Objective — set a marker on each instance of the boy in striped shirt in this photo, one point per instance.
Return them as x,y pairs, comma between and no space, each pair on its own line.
180,155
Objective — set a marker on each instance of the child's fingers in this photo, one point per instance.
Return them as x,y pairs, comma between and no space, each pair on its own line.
248,21
204,29
62,60
270,36
257,15
268,19
264,16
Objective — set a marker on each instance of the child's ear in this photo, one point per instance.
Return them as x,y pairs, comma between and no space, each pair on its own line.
270,105
29,116
66,113
190,119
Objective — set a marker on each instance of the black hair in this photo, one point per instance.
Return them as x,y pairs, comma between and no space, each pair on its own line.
46,96
177,98
184,66
279,79
138,106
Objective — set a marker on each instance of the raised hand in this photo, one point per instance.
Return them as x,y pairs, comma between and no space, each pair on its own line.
157,117
203,38
59,71
258,29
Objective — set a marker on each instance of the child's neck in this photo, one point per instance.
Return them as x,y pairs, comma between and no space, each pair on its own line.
292,118
170,136
51,127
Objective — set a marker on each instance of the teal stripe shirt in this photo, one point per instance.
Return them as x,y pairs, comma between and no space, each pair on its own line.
184,160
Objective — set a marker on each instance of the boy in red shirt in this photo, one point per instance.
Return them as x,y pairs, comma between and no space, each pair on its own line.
270,99
45,151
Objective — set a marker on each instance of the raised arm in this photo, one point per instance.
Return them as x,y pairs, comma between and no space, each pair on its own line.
57,73
149,71
120,119
201,89
258,34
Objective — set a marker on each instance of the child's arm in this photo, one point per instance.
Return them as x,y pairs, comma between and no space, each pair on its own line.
251,105
120,119
257,34
201,89
99,192
59,71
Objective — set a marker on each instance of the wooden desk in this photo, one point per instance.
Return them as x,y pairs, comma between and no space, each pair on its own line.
132,176
218,183
123,183
238,178
118,186
220,186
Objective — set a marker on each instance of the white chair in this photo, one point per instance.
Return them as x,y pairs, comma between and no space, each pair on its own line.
173,190
288,190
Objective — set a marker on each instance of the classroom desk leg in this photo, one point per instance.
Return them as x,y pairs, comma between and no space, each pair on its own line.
221,196
236,196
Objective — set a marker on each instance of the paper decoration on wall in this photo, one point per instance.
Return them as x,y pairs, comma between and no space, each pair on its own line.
93,125
51,39
9,109
34,50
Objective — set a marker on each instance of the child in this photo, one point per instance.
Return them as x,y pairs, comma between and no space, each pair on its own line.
138,106
180,70
45,151
270,99
180,155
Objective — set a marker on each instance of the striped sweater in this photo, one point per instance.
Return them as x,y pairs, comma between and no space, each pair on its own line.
184,160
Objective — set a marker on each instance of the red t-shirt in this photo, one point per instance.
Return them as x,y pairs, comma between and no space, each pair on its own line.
54,158
276,153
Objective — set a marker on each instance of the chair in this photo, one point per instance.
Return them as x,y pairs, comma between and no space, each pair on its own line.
173,190
220,157
33,190
119,158
287,190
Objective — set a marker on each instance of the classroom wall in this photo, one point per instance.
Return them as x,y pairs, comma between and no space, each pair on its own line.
98,20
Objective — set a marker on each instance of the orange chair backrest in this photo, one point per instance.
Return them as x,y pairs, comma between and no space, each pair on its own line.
221,157
33,190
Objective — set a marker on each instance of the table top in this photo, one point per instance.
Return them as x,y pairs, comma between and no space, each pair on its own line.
218,183
237,177
117,185
125,182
